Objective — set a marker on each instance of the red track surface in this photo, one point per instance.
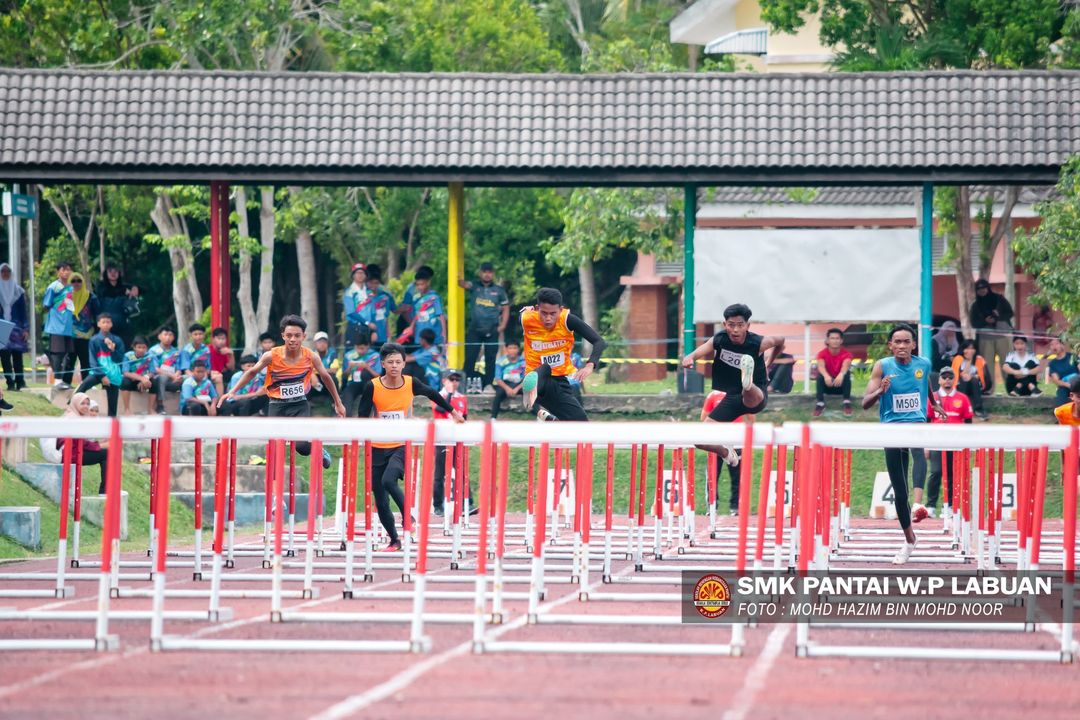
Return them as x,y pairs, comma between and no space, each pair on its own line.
451,682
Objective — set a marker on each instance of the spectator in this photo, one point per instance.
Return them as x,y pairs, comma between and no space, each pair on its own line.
93,452
944,346
354,301
1069,413
197,349
379,306
576,385
834,371
362,364
106,362
139,372
957,411
1041,324
969,367
166,366
328,355
197,394
488,315
119,300
450,384
1021,370
1063,368
406,307
781,378
59,326
508,376
250,399
991,315
14,310
222,360
429,310
267,341
84,324
427,363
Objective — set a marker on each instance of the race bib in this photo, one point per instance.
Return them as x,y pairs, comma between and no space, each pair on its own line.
392,415
907,402
554,359
292,391
358,376
423,316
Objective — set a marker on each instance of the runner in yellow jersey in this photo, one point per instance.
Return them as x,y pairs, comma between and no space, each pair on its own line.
549,330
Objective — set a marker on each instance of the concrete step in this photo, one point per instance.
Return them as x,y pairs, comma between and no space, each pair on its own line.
46,477
249,478
250,507
136,401
22,524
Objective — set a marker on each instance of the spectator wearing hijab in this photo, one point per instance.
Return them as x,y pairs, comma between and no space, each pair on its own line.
945,346
992,315
119,300
93,452
84,326
13,309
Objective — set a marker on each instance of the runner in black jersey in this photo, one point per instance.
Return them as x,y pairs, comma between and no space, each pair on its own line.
738,370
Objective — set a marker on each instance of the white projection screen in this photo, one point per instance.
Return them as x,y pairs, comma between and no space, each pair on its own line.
808,275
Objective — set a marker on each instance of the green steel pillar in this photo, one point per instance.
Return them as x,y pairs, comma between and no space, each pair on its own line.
689,218
926,296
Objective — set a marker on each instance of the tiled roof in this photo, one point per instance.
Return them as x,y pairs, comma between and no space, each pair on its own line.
718,128
848,195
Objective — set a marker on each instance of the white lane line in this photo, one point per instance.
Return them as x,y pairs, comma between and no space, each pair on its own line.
758,674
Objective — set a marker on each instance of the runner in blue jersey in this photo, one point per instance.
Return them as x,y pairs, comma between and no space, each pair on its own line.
902,384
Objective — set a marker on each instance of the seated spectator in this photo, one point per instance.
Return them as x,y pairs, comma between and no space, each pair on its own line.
196,349
222,360
509,375
944,346
93,452
1063,368
781,377
250,399
197,394
429,313
267,341
1069,413
106,363
575,384
426,364
834,371
329,358
168,377
1021,370
362,364
139,373
1041,323
970,370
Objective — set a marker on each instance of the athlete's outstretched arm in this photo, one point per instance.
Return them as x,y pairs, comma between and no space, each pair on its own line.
436,397
876,387
704,351
264,362
576,325
328,383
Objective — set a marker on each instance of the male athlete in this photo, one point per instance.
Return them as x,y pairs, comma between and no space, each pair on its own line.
549,330
289,368
391,398
902,383
739,369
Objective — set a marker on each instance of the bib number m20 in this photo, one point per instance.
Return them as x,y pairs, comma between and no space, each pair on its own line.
907,403
554,360
292,391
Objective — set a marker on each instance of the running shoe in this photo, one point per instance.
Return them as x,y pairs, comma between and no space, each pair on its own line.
256,460
746,364
848,410
439,512
733,512
732,457
543,415
918,512
393,546
904,555
326,459
5,405
528,389
819,408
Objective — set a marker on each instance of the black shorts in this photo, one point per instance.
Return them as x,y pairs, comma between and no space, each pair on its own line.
560,400
732,407
132,386
61,344
297,408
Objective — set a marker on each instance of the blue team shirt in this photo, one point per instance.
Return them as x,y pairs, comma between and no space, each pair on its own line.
99,353
371,357
145,365
428,311
906,399
575,359
60,303
165,358
377,312
250,387
511,372
190,389
189,355
431,360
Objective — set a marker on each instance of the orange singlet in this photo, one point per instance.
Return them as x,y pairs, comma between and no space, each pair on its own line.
392,404
548,347
289,381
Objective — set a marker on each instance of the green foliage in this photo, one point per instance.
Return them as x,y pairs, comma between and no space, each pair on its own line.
948,222
1051,253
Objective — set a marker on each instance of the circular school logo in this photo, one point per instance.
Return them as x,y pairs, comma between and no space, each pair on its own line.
712,596
918,374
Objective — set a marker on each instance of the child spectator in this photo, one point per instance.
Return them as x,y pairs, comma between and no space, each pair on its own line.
429,309
834,371
222,361
970,370
106,362
1021,370
379,306
1063,369
139,372
166,366
250,399
575,384
427,363
329,358
508,376
362,365
354,301
451,383
197,394
266,342
1069,413
60,307
194,350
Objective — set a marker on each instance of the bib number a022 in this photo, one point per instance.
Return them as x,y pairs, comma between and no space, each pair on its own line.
907,403
292,391
554,359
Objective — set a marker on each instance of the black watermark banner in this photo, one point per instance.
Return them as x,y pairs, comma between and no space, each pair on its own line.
849,596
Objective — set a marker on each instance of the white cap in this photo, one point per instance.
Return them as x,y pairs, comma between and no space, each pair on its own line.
321,336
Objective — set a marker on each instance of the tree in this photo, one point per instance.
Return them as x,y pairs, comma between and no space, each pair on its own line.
1051,253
